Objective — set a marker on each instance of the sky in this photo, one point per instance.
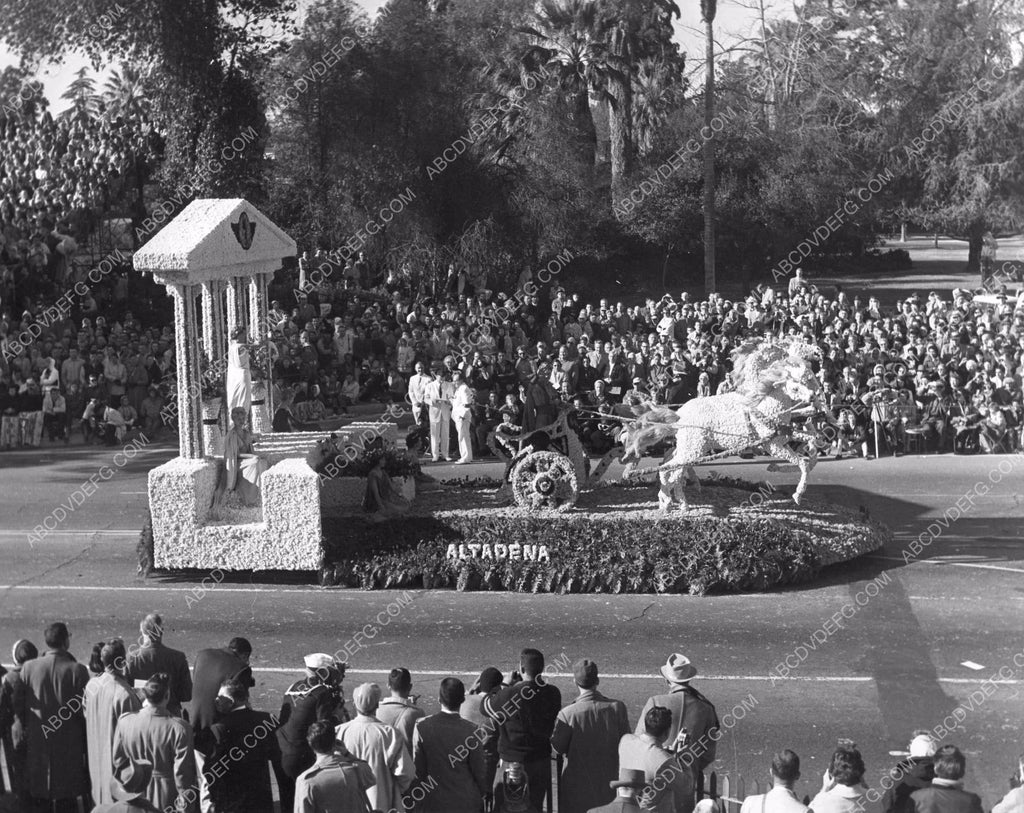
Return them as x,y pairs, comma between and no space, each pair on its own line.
735,20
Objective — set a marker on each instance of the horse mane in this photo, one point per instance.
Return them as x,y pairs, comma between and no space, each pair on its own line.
761,366
649,428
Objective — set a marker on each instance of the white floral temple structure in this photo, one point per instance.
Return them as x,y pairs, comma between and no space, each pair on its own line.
216,259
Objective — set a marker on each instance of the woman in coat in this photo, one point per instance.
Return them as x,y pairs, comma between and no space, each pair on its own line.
107,697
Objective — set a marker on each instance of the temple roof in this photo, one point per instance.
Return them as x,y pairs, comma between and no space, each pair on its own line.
214,239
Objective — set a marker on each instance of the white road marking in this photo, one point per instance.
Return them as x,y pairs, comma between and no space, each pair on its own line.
104,532
977,667
644,676
972,564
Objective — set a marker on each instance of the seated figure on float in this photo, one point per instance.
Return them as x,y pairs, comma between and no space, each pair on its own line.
242,468
381,502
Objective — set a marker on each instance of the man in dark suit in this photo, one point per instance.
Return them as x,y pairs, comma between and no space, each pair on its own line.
630,781
588,733
525,712
49,700
690,711
213,667
153,658
946,794
444,761
244,750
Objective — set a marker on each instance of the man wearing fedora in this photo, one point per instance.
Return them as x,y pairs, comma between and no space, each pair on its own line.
690,711
128,787
626,786
587,732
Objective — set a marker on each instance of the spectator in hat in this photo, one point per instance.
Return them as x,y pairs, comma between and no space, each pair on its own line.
152,734
107,697
127,789
153,656
587,732
693,715
946,793
399,711
56,767
336,781
318,696
669,787
487,684
780,798
458,780
384,748
911,774
626,788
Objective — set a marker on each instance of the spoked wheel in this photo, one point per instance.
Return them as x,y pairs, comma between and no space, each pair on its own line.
545,481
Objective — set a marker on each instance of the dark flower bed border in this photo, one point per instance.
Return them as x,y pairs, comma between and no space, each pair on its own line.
589,553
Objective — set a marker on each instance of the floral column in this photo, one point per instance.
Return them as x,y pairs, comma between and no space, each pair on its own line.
186,352
259,358
209,290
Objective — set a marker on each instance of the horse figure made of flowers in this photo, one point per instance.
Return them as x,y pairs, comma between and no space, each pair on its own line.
771,379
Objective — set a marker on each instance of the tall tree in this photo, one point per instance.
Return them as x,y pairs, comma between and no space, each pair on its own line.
206,57
708,9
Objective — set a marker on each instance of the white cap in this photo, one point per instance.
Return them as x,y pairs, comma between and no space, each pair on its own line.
922,746
319,660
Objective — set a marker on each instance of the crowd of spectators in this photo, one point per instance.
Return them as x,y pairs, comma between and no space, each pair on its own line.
139,729
946,370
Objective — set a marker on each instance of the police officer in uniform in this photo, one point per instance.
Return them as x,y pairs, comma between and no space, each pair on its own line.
318,696
337,780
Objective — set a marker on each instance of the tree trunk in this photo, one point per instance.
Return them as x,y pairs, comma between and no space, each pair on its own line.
709,163
903,232
620,126
974,245
585,131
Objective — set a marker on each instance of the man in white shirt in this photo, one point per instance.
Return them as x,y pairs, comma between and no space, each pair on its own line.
462,404
384,748
440,410
781,798
418,384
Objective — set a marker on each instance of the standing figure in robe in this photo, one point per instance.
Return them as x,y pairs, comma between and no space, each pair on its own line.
239,379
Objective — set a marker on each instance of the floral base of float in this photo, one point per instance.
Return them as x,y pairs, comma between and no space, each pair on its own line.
185,536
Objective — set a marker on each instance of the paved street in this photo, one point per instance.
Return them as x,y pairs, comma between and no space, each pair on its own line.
896,662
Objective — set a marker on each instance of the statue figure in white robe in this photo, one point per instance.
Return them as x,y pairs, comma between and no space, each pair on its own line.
239,379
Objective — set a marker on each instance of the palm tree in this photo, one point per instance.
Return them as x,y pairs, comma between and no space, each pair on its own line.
126,92
635,29
707,13
657,90
567,41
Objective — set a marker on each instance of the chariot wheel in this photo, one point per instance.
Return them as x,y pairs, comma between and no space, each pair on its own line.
545,481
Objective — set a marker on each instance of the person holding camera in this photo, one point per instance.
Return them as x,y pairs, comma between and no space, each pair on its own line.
525,710
318,696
